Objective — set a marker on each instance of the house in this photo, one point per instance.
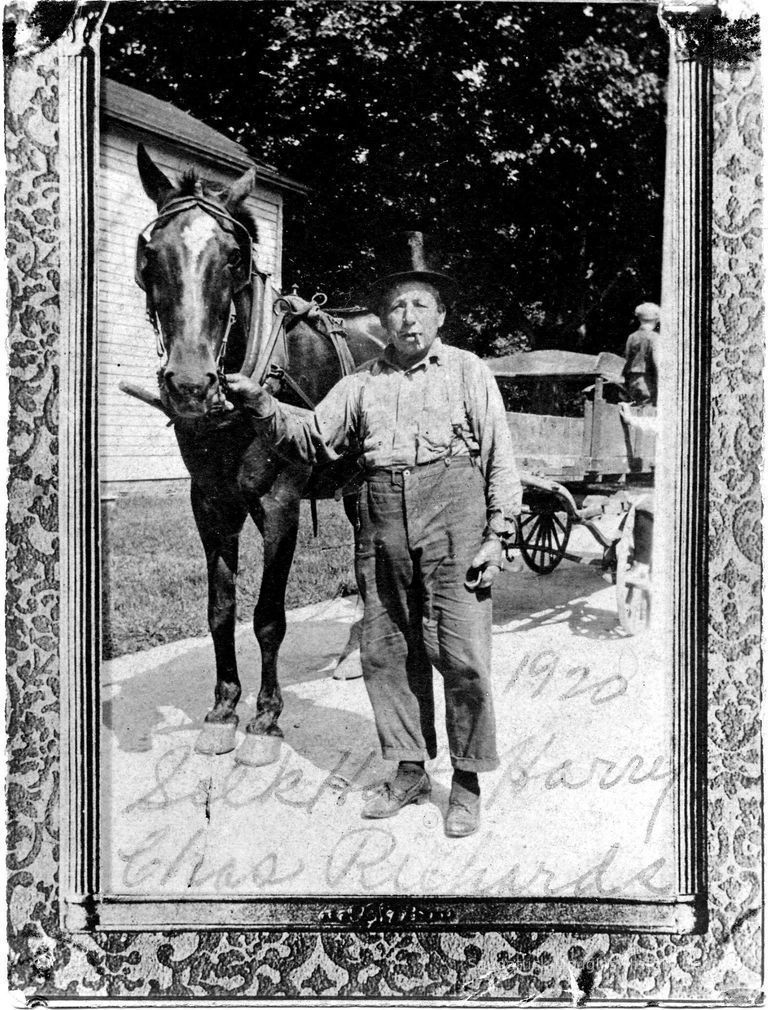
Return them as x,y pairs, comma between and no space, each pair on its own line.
137,452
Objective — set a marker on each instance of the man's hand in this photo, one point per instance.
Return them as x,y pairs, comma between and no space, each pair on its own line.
252,396
485,565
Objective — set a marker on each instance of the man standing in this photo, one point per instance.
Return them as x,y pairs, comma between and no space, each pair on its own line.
640,369
441,492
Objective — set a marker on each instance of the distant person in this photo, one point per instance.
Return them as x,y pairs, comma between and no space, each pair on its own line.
641,353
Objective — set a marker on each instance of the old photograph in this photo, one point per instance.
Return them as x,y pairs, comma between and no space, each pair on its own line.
384,500
368,775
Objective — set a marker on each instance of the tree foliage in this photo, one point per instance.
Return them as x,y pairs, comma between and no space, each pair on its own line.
529,137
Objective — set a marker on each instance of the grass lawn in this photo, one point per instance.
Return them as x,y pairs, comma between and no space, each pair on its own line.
155,586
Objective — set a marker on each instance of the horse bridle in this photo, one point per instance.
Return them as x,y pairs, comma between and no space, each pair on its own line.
230,224
257,359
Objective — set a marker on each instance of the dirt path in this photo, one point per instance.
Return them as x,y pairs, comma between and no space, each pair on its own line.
580,804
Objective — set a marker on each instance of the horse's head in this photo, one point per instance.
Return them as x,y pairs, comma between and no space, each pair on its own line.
193,261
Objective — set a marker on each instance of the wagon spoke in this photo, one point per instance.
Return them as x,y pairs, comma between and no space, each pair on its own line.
538,553
533,532
555,534
542,542
536,550
548,537
557,520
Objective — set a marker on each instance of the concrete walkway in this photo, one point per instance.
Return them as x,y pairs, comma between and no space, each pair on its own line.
580,805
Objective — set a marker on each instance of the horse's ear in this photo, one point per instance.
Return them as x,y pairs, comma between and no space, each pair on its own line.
156,185
239,190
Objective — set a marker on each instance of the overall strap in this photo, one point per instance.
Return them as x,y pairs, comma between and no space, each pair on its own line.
461,416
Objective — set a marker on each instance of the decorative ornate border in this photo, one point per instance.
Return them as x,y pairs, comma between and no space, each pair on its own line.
722,964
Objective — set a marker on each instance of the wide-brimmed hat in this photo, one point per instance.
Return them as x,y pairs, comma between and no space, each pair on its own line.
411,255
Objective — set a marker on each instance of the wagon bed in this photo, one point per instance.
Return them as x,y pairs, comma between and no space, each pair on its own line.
597,447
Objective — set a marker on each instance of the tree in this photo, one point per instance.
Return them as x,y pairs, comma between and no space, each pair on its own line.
529,137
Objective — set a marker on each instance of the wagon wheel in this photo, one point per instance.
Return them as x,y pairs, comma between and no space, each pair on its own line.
633,584
543,536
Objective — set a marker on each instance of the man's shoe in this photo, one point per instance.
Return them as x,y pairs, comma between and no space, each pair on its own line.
463,816
393,796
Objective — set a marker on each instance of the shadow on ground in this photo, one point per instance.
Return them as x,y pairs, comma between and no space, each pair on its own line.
176,693
574,594
181,688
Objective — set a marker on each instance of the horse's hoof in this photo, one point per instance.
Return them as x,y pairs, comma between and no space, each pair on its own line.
216,738
349,667
258,749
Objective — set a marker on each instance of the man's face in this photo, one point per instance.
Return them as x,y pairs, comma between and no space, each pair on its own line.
412,314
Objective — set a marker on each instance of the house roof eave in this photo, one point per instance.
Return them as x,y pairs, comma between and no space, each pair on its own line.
137,109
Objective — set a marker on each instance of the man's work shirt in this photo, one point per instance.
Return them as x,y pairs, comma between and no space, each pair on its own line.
640,352
446,404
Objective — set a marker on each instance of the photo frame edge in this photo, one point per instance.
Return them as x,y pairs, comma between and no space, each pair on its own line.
686,245
81,908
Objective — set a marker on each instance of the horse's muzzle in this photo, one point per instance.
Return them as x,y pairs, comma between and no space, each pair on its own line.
190,396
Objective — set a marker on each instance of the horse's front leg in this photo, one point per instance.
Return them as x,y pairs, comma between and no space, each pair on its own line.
278,520
219,525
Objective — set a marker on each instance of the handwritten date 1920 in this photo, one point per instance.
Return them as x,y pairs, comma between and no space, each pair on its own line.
543,672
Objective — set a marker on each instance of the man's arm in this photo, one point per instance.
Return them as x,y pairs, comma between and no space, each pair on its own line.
306,436
488,418
503,490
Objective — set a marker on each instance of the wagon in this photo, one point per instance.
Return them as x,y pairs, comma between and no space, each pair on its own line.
580,459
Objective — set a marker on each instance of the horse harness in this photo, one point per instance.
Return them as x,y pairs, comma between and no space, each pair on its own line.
329,326
257,359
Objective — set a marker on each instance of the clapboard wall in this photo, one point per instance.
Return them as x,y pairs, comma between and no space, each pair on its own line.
136,448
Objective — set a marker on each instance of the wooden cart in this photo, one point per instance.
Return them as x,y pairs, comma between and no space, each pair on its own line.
580,458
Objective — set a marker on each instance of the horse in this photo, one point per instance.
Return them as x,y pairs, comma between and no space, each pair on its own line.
207,304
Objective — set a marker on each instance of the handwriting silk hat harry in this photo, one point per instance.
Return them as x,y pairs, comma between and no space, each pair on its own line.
411,255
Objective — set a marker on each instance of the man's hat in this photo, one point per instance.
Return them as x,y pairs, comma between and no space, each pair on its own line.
411,255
